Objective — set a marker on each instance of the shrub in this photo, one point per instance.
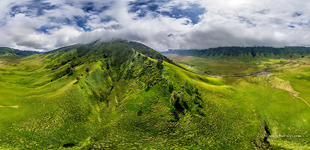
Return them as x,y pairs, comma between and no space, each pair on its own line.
70,71
195,90
105,56
87,69
159,64
78,77
182,95
170,88
175,95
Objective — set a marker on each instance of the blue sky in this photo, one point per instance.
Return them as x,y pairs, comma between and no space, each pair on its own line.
161,24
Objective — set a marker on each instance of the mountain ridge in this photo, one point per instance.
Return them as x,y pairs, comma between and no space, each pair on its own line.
246,52
6,51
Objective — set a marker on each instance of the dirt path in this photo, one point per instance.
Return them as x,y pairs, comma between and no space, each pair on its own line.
285,85
259,73
16,107
303,100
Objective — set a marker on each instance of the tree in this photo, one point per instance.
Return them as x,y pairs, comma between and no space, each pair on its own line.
70,71
195,90
182,95
170,88
78,77
174,97
87,69
159,64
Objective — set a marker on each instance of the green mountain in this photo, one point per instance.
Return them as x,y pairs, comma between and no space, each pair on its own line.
4,51
124,95
246,53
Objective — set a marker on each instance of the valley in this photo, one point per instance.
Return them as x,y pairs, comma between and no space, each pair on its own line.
274,94
124,95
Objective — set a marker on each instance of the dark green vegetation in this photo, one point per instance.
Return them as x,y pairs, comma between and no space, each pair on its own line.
123,95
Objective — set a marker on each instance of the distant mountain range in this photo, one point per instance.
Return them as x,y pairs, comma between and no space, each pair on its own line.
246,52
5,51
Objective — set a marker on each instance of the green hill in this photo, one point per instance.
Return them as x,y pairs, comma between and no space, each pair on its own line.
245,53
4,51
124,95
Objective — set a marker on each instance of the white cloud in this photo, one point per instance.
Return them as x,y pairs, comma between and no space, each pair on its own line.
224,23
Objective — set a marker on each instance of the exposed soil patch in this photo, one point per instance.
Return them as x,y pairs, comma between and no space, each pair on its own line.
259,73
9,107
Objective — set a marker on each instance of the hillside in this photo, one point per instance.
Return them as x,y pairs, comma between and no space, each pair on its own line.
4,51
124,95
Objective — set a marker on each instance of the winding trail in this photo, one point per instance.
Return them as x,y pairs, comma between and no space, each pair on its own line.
259,73
16,107
303,100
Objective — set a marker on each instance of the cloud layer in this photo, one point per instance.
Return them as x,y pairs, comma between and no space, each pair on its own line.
161,24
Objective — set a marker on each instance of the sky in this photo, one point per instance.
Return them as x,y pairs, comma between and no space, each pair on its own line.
45,25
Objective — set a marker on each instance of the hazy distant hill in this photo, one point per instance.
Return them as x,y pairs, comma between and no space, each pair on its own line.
5,51
246,52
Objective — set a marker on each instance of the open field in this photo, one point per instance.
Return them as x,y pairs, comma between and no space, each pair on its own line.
229,67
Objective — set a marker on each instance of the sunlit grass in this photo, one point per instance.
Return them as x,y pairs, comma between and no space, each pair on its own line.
125,102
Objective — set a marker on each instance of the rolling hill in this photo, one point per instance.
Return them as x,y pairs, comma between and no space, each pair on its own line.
5,51
124,95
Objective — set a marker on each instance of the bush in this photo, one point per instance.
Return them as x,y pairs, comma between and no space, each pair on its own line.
78,77
87,69
159,64
170,88
173,98
195,90
70,71
182,95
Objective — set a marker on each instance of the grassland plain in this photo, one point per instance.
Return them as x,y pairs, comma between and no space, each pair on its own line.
123,95
280,99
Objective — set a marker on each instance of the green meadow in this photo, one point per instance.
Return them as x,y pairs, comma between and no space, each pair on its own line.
124,95
280,100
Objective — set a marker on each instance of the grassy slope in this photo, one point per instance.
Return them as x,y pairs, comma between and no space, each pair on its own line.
5,51
127,100
276,99
220,67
